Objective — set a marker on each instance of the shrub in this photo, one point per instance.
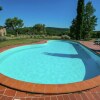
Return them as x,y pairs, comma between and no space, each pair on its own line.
10,35
2,38
39,36
65,37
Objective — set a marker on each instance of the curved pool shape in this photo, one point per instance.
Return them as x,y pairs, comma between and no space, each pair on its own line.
55,62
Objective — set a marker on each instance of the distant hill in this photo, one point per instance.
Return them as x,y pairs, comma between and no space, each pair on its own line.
49,30
56,31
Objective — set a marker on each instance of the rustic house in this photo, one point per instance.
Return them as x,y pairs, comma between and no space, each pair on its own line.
3,31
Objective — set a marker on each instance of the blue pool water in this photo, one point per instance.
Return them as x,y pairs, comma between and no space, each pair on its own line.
55,62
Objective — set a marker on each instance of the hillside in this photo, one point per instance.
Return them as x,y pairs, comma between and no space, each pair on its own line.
54,31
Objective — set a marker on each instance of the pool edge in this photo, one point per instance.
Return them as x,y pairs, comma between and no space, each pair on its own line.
49,88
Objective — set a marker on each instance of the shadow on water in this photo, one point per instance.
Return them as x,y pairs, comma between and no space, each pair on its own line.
92,68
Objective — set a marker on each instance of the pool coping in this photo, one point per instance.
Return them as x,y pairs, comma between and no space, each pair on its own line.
47,88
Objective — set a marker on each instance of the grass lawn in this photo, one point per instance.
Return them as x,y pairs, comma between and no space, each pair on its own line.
24,40
18,41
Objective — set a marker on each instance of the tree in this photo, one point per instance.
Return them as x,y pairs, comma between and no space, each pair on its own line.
39,29
1,8
14,24
85,21
73,29
76,29
90,20
79,19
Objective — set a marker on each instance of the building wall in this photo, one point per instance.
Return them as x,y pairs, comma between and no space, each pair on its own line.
3,32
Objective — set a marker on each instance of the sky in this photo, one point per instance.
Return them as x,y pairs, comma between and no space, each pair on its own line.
52,13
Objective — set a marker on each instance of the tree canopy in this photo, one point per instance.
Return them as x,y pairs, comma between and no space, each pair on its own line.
39,29
14,23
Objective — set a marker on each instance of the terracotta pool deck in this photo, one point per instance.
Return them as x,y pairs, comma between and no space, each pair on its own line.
69,91
10,94
91,45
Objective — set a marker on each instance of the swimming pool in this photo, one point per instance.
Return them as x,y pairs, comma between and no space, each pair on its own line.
55,62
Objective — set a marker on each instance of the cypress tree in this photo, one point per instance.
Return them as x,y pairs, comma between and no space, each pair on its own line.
79,19
73,29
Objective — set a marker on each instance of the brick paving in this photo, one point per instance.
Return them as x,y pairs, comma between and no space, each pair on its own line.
91,45
11,94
